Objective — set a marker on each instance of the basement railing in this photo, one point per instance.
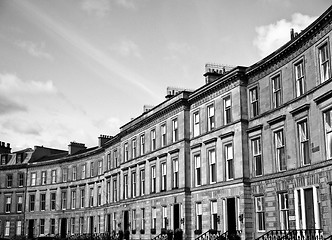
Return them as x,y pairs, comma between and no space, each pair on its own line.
298,234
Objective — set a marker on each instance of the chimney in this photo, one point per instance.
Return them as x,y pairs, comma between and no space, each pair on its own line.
5,148
292,35
173,91
214,71
147,108
74,147
102,139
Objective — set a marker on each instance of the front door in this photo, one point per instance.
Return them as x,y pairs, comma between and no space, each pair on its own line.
30,228
176,213
231,215
63,232
126,221
309,206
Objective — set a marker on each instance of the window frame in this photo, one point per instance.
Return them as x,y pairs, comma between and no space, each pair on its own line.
276,91
229,161
324,43
254,103
328,132
257,154
300,86
196,124
210,113
175,130
260,214
227,109
280,150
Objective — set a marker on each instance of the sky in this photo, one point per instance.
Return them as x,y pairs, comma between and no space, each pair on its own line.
71,70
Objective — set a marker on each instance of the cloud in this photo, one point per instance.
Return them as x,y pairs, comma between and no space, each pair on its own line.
127,48
8,106
110,125
34,49
175,49
126,3
11,84
270,37
22,126
99,8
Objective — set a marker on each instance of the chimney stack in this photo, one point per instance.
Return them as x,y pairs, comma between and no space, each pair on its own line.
292,34
102,139
74,147
5,148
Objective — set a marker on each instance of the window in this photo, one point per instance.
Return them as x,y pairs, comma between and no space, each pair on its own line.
253,98
83,171
64,174
227,110
299,78
7,228
260,214
53,200
100,167
91,169
153,179
19,157
33,179
154,218
73,199
229,161
43,177
74,173
91,197
81,225
63,200
328,133
276,91
19,204
303,142
115,158
199,216
115,190
108,161
53,176
143,219
52,226
42,202
133,148
19,228
42,226
8,203
280,150
212,163
214,215
163,135
125,186
133,184
153,139
20,179
175,131
175,173
9,180
99,195
197,160
108,191
257,156
32,202
82,198
142,180
142,142
210,116
125,152
133,219
163,176
324,62
164,217
283,207
114,221
196,128
72,225
4,159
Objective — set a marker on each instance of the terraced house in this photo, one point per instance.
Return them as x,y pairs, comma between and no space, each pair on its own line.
249,154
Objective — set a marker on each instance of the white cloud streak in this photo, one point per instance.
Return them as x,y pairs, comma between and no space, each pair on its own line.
126,48
270,37
34,49
99,8
88,50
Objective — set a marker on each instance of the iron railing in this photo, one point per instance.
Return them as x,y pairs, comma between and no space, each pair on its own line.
297,234
161,236
233,235
209,235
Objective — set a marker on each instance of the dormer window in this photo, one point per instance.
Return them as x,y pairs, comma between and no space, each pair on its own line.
19,157
4,159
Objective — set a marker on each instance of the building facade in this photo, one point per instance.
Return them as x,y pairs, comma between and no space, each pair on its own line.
249,152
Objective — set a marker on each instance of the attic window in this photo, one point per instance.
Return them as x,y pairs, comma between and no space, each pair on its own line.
4,159
19,157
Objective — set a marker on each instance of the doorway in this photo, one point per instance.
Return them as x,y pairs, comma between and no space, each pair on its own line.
63,231
231,215
91,225
309,206
108,223
126,221
30,228
176,215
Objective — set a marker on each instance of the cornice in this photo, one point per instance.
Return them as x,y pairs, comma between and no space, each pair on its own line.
276,119
300,109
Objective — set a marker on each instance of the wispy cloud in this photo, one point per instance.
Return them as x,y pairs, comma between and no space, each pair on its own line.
88,50
126,48
270,37
8,106
34,49
98,7
177,49
126,3
22,126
